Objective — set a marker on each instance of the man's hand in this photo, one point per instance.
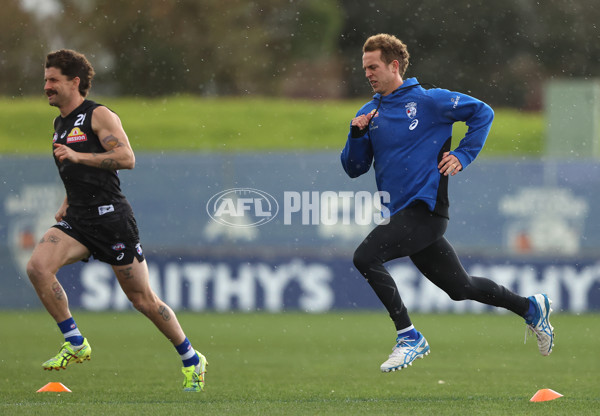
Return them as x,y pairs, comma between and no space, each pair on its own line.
360,125
62,211
63,153
60,214
362,121
449,165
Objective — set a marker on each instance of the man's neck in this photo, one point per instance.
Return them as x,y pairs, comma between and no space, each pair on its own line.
397,85
73,104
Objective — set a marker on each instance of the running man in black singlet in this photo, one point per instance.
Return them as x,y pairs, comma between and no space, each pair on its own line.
95,219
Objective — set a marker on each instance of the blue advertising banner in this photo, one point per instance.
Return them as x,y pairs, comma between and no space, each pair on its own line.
319,284
292,211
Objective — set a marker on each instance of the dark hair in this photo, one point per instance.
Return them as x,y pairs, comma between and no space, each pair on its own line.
391,49
72,64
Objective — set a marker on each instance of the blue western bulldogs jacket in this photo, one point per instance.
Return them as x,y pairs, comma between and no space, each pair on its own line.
411,129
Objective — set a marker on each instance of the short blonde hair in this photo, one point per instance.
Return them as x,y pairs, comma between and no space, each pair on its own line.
392,49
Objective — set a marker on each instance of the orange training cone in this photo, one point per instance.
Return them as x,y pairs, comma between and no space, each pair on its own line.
545,395
54,387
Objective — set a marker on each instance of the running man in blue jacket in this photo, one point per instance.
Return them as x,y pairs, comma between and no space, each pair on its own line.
405,133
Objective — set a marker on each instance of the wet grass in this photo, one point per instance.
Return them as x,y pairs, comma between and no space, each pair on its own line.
298,364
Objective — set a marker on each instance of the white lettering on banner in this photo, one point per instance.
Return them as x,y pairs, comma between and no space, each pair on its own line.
254,286
310,206
330,208
293,203
274,280
316,281
187,284
228,287
364,208
197,276
155,281
172,284
96,279
579,283
530,283
101,290
240,207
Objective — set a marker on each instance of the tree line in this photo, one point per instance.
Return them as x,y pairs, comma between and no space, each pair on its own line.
501,52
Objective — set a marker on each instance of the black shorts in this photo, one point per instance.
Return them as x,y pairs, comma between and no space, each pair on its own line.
109,232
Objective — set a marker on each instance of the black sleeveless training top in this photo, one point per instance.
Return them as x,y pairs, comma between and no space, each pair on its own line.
86,186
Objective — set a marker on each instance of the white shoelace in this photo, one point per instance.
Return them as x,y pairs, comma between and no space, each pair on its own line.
528,330
399,342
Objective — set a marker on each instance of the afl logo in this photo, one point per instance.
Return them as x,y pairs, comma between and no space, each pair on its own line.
118,247
242,207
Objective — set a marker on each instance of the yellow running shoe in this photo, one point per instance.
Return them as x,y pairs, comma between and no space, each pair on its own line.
68,354
194,375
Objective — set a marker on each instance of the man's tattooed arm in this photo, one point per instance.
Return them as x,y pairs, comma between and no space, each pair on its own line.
110,142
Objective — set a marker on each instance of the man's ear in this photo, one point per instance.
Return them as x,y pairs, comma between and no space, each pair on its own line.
76,82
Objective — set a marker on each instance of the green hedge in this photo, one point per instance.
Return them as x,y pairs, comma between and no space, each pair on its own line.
186,123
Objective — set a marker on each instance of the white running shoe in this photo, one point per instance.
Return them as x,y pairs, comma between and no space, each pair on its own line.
540,325
405,352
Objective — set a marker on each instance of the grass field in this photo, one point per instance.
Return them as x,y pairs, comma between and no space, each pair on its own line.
299,364
184,124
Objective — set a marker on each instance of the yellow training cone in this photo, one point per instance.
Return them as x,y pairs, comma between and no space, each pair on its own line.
54,387
545,395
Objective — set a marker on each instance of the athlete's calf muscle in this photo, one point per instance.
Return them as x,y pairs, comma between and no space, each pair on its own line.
163,311
58,291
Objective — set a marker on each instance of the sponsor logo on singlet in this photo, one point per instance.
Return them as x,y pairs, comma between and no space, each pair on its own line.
76,136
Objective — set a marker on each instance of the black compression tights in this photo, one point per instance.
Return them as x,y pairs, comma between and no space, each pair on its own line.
419,234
